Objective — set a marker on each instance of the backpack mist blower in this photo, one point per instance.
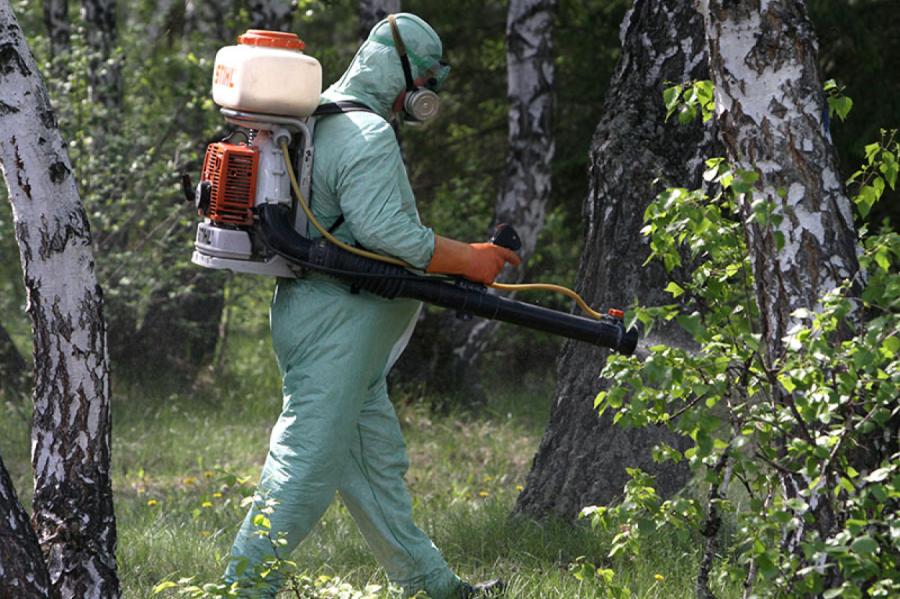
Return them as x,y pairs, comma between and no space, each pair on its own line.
252,197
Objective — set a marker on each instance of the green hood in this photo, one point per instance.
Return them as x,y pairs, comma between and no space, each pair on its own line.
375,75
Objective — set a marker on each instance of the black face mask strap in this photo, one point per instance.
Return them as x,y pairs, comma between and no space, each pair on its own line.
401,50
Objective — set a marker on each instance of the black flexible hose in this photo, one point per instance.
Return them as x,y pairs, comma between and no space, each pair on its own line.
392,281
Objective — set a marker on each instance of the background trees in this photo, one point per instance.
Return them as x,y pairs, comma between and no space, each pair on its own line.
72,504
634,153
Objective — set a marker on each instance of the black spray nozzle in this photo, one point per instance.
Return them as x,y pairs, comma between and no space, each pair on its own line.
506,237
392,281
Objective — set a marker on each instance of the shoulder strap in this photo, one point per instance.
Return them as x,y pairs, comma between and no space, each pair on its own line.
341,107
336,224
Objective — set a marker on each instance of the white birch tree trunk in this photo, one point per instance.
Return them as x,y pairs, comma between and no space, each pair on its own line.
73,510
771,109
104,67
522,201
373,11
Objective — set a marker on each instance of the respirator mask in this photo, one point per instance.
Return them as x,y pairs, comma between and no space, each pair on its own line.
419,102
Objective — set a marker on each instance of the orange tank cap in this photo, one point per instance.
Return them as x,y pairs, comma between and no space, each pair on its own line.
271,39
616,313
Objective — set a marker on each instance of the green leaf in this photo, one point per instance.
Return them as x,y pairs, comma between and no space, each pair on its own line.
168,584
866,198
878,475
840,105
864,545
889,168
692,325
872,151
674,288
891,345
671,96
787,382
686,114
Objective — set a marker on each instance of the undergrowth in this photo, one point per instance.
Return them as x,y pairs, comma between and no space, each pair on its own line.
183,462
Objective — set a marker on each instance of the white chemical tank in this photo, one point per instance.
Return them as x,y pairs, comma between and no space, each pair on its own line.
267,72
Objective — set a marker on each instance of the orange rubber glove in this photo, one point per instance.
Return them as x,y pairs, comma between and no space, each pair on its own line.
479,262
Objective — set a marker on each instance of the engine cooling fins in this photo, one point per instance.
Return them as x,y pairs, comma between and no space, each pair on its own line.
390,281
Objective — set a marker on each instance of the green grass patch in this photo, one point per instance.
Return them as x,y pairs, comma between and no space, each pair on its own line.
183,462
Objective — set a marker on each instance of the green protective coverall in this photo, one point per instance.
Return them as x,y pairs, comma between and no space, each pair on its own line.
338,430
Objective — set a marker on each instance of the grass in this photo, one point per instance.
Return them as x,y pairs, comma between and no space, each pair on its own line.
177,514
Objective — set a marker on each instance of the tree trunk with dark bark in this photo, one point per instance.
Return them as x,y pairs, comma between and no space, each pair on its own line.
274,15
772,110
373,11
23,573
582,457
522,201
104,66
73,510
56,20
185,323
13,368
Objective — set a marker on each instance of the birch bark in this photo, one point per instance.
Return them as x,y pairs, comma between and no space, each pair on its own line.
23,573
771,109
56,20
582,457
522,202
104,67
73,511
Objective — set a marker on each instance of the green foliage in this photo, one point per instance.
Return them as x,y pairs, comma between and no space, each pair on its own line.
299,583
690,99
818,422
878,172
838,103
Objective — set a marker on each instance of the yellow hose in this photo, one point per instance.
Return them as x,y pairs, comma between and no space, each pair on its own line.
302,201
390,260
550,287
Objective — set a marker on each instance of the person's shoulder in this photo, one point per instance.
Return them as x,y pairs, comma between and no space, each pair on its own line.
371,125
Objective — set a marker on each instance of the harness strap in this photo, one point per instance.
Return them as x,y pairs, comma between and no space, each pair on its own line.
340,107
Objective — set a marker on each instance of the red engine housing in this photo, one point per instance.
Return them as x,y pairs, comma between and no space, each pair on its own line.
231,171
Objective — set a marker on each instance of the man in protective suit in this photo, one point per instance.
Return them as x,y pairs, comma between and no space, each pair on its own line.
338,430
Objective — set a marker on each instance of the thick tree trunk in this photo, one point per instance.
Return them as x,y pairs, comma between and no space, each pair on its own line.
73,511
372,11
771,110
104,67
274,15
56,20
23,573
13,368
187,325
522,201
582,457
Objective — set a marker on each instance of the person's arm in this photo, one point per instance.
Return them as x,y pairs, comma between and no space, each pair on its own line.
479,262
371,199
371,188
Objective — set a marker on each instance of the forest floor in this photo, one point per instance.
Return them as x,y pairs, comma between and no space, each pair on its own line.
182,463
